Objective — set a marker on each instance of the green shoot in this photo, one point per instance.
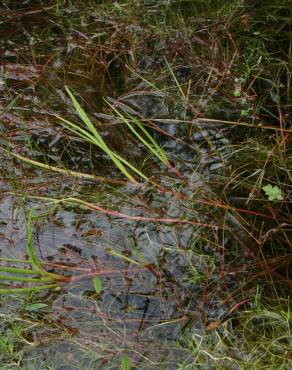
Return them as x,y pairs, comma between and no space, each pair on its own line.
38,274
126,365
91,135
96,281
30,247
154,148
175,79
120,255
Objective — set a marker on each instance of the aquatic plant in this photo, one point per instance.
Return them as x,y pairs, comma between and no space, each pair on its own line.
94,137
33,267
224,73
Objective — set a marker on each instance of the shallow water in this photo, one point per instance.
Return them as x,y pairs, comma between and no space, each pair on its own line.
143,309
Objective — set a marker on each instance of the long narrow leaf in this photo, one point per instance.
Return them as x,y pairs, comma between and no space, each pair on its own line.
133,168
15,270
175,79
58,170
117,254
84,116
79,131
96,137
159,152
137,134
14,260
26,290
35,261
30,247
151,138
25,279
88,137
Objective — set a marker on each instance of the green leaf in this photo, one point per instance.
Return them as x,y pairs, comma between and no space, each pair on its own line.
156,150
25,279
175,79
30,290
36,263
126,365
92,135
244,112
273,192
35,306
96,281
136,251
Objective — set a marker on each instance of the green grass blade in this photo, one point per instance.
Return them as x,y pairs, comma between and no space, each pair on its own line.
35,306
136,251
144,79
36,263
15,270
28,290
151,138
84,117
78,130
133,168
137,134
175,79
66,172
157,150
25,279
98,140
117,254
14,260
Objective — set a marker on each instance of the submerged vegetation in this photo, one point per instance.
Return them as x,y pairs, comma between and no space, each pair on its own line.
145,212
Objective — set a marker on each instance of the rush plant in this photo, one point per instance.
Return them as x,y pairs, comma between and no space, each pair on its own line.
29,275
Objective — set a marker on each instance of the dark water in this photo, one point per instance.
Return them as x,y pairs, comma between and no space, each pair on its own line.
141,312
